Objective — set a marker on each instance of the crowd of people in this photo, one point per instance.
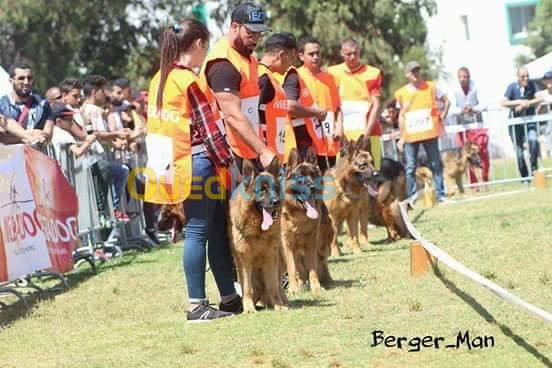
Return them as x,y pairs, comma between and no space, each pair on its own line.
211,109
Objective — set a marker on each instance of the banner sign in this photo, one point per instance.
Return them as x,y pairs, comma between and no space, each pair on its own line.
38,214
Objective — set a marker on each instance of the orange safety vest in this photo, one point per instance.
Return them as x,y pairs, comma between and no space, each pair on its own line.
421,116
169,168
325,95
356,101
305,99
249,92
276,116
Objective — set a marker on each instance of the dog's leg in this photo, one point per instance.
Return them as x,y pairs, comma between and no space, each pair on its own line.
291,267
272,277
387,215
247,285
363,222
353,242
311,263
460,184
334,251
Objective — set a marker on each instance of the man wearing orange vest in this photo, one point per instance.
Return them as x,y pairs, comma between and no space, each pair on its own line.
279,54
303,113
360,91
420,123
325,95
231,72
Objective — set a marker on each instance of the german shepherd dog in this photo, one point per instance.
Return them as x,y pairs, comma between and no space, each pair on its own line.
382,208
303,214
171,218
255,237
352,181
455,166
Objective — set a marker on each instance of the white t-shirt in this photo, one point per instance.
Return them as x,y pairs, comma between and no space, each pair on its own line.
94,120
61,139
546,96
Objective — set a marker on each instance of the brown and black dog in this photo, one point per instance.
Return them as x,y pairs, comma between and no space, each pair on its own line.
171,218
305,242
255,237
383,209
456,164
352,183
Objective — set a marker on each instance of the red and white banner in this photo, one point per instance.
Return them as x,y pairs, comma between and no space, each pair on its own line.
38,214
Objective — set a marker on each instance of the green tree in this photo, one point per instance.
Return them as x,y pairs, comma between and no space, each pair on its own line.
391,32
73,38
540,35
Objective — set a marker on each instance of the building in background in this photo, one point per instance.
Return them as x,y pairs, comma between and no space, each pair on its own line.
484,35
5,86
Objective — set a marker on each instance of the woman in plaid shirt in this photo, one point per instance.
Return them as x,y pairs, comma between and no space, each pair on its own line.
184,48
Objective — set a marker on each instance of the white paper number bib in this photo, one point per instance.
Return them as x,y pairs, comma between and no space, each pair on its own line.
418,121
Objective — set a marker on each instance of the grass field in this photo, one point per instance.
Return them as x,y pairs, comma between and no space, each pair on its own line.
132,314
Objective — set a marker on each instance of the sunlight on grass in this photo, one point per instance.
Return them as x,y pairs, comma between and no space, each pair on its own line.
132,313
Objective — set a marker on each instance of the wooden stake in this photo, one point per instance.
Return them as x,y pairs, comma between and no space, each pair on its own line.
429,197
420,260
540,179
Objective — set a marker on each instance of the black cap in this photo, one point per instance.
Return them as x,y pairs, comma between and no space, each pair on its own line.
547,75
280,40
251,16
62,111
124,106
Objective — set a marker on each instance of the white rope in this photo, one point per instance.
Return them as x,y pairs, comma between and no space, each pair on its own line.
442,256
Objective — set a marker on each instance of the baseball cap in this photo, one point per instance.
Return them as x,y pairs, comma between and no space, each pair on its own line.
547,75
62,111
284,40
411,65
124,106
251,16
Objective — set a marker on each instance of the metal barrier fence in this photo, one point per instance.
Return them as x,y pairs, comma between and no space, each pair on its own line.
503,144
99,237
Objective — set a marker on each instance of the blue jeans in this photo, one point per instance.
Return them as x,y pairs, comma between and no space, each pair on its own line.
431,147
206,222
119,176
517,135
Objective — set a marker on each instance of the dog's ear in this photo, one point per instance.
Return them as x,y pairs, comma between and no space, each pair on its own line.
248,169
351,150
293,160
364,144
274,167
311,156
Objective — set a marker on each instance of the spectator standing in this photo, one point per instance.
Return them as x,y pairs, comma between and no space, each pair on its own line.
105,172
464,106
521,98
545,107
32,113
420,123
53,94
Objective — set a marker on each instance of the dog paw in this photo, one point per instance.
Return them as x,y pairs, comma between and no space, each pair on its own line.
356,250
281,307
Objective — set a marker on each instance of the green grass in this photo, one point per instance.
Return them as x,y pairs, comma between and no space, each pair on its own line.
132,314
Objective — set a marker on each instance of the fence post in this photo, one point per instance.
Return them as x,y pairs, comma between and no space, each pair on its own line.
420,259
540,179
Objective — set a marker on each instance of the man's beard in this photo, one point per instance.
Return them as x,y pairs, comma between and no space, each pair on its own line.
242,49
23,94
116,102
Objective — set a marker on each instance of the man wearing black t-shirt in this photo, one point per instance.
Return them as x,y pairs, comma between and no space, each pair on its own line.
225,80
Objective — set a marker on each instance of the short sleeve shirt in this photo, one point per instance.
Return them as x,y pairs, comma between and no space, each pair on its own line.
517,92
39,111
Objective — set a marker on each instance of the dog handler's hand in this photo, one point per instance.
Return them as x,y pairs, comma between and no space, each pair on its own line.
266,157
400,145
